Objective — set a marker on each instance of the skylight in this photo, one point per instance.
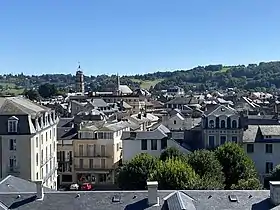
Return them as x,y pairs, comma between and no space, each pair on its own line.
233,198
116,198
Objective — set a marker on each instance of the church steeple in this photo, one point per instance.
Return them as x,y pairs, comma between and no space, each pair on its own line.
80,86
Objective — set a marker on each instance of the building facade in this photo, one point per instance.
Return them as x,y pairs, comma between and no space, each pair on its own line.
219,125
28,141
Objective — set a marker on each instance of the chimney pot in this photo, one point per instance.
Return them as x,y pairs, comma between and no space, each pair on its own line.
39,189
275,192
152,193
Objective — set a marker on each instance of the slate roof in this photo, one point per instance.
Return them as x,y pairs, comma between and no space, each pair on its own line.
250,134
137,200
65,122
14,184
20,106
270,130
97,102
183,100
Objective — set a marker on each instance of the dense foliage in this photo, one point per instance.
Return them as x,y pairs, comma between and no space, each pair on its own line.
174,174
134,174
236,164
227,167
259,77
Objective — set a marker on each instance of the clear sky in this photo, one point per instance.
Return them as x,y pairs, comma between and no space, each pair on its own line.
135,36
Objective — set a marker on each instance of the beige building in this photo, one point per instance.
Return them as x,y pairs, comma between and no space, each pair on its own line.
28,141
97,152
219,125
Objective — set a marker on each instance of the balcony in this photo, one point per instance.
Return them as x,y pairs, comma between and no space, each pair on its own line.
97,155
93,168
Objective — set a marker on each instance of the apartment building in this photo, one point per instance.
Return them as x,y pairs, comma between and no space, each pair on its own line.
28,141
262,144
151,142
219,125
66,132
98,151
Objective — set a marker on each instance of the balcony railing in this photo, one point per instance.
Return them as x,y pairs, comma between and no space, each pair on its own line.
94,167
76,154
44,161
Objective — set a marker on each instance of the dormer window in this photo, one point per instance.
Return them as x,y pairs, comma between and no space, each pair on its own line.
223,123
13,124
211,123
234,124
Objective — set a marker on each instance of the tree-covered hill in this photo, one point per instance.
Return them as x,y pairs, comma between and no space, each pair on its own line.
260,77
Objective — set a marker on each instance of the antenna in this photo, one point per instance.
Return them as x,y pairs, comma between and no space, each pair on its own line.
79,65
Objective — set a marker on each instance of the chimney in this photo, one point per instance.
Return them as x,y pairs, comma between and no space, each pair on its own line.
275,192
152,193
39,190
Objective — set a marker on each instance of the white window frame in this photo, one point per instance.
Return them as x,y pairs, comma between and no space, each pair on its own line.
12,125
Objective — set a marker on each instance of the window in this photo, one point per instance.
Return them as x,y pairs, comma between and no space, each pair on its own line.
90,163
54,132
46,136
50,150
47,168
250,148
81,150
42,139
153,144
268,167
234,139
118,147
223,139
42,173
103,152
268,148
81,163
13,144
42,156
103,163
13,162
211,123
37,175
163,143
144,145
37,159
37,143
94,150
234,124
50,134
175,122
211,141
13,124
46,152
223,124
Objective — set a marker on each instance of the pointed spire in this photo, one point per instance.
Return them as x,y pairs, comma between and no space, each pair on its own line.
79,65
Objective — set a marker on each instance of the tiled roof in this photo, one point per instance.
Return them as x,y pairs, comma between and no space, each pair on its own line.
137,200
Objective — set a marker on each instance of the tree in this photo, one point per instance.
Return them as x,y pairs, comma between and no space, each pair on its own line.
174,174
207,166
134,174
32,94
47,90
236,164
249,184
275,174
171,152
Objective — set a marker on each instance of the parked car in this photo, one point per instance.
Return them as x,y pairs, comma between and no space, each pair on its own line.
86,186
74,187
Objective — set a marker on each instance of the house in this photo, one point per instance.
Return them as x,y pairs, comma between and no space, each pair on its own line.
152,142
175,91
97,151
221,124
28,140
150,199
66,132
262,143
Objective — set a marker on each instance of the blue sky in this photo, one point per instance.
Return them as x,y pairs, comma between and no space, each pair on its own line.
135,36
